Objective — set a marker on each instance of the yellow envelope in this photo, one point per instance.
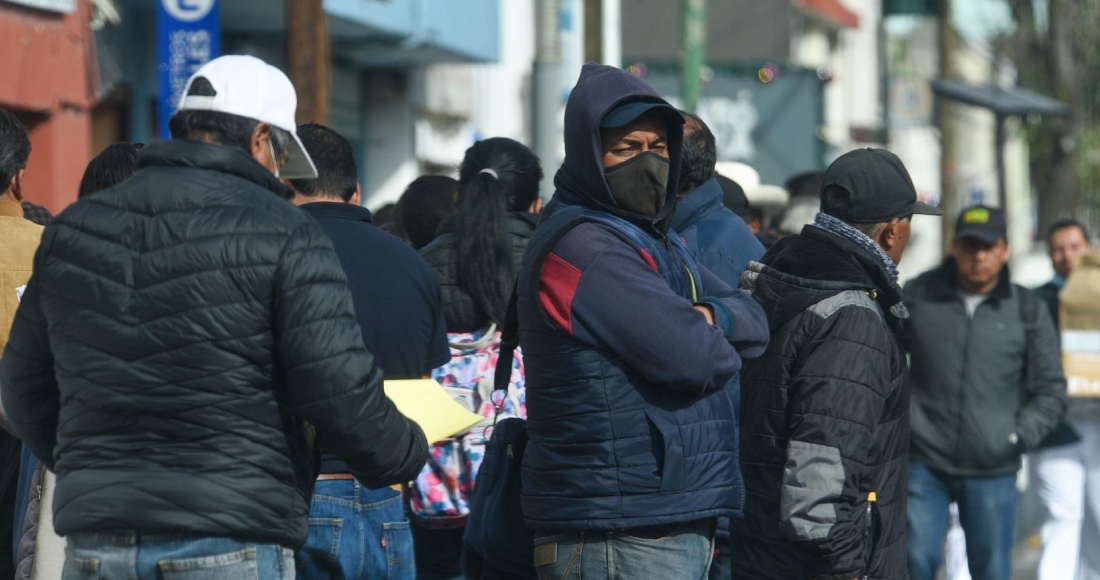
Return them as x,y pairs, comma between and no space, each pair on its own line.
426,403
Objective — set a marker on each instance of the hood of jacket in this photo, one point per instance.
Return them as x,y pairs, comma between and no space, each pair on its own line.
699,202
580,180
802,270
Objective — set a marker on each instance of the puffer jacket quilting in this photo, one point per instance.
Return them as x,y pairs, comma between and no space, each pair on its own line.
824,420
184,337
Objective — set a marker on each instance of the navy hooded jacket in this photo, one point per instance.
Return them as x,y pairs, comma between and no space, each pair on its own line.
629,420
721,241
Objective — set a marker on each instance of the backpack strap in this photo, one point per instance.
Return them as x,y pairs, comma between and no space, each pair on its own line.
1029,314
509,340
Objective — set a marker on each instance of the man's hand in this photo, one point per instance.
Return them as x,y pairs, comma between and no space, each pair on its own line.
707,311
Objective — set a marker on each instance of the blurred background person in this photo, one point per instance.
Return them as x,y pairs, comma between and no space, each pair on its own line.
112,166
385,219
476,257
721,242
426,201
1067,468
19,239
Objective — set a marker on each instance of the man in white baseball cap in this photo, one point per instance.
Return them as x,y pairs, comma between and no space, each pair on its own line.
187,340
252,90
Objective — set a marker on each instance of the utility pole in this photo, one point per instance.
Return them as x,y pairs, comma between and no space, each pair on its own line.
611,36
949,197
547,93
308,58
695,40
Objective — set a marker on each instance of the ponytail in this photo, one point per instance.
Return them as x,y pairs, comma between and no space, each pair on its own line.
498,176
484,247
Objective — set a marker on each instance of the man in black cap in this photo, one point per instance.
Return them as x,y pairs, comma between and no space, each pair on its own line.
987,386
825,433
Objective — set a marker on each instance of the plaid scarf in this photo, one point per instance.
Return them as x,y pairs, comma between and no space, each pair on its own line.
839,228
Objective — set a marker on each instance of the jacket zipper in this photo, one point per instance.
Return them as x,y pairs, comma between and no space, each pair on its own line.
691,277
962,379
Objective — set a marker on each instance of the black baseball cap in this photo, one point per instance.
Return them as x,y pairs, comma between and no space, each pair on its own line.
733,195
879,187
983,223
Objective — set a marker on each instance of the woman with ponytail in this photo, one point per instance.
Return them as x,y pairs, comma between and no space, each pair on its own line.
476,256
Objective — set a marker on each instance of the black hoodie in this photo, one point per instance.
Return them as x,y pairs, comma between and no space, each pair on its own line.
825,416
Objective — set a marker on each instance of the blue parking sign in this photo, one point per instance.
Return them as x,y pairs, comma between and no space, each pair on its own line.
188,36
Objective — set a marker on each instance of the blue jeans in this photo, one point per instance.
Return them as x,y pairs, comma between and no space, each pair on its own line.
987,510
356,532
134,556
682,551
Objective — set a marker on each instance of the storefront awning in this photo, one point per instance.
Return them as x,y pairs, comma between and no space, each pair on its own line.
831,12
1015,101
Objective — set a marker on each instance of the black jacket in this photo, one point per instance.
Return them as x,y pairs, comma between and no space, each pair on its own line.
970,394
459,308
185,338
825,418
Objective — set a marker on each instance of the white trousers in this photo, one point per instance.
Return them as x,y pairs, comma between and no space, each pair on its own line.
1068,479
954,547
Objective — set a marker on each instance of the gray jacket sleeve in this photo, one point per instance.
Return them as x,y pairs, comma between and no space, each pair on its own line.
1046,392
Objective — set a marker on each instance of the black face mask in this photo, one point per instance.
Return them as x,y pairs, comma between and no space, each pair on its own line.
640,184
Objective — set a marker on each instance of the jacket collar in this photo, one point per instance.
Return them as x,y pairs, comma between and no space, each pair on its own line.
201,155
888,293
338,210
945,286
10,208
696,204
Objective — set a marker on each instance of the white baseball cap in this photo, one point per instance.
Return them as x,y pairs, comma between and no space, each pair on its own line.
249,87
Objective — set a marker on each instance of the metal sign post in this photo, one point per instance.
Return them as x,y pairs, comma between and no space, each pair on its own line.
188,36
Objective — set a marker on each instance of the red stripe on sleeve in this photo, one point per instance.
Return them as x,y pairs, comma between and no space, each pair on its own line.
558,283
649,260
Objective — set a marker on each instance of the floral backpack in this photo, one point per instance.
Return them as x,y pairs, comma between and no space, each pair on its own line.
439,498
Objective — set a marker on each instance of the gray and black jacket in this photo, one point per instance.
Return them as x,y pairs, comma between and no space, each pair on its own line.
973,411
825,418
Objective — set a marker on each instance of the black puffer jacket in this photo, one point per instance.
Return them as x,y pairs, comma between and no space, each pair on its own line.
825,418
180,335
462,313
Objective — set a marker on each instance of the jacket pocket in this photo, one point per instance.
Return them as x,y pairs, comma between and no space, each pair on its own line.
670,463
992,449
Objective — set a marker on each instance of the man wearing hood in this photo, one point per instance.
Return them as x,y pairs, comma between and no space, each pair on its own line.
628,345
721,242
826,409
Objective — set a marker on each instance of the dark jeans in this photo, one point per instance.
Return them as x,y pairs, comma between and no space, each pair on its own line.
682,551
438,553
987,510
132,556
357,533
721,568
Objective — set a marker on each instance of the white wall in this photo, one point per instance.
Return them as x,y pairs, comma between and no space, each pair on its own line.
389,163
445,108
